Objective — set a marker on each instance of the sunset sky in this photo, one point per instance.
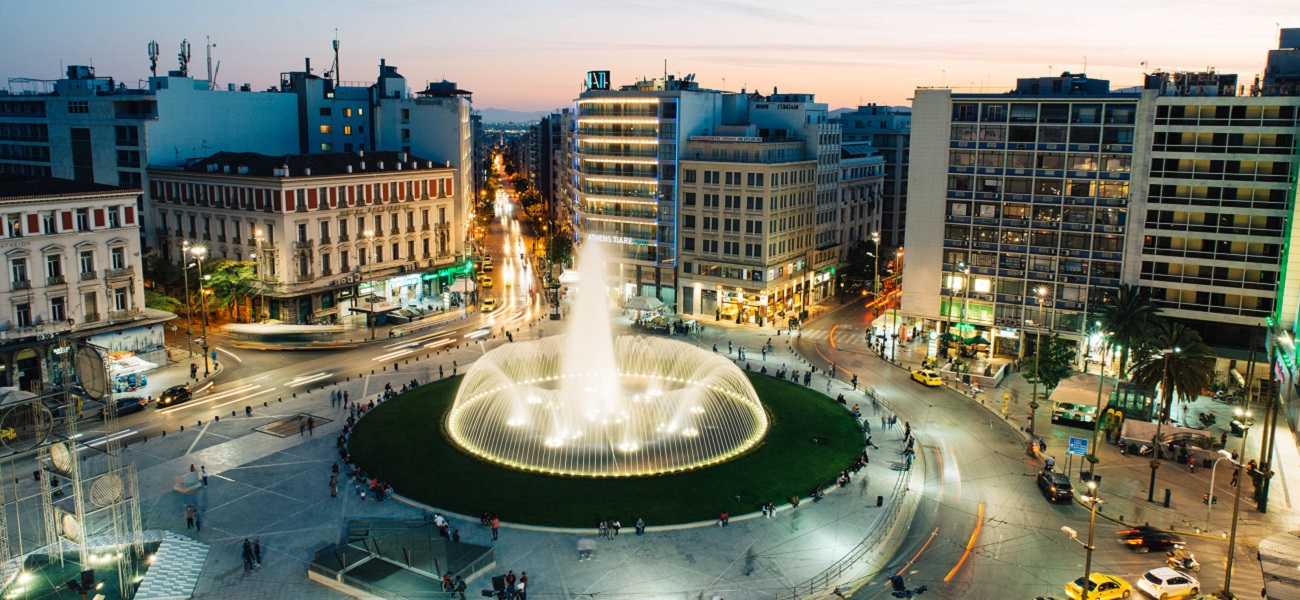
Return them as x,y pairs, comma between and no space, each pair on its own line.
529,55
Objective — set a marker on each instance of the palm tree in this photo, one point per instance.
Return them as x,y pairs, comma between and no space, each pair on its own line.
1129,315
1190,365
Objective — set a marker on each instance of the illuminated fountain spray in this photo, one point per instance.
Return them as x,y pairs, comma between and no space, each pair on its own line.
589,404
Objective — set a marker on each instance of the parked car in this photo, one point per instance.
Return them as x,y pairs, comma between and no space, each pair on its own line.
928,377
1055,486
130,404
1165,583
1146,539
175,395
1100,587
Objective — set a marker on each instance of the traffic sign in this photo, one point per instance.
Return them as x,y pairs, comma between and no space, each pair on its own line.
1078,446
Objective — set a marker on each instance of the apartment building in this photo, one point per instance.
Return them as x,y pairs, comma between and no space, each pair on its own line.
1022,201
72,267
326,230
861,191
889,130
747,226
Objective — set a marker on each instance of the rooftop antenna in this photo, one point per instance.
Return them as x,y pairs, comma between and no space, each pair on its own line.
334,68
665,68
153,57
184,58
211,74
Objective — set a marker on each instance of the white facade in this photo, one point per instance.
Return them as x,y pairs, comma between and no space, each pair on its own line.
862,177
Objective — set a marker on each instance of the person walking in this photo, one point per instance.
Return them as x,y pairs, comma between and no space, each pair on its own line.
439,371
257,553
204,471
198,522
189,517
334,485
311,426
1233,483
247,555
496,525
302,426
615,526
603,529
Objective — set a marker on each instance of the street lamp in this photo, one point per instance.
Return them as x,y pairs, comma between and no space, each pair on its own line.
370,255
189,302
1243,418
198,252
875,271
1209,500
1096,419
1041,292
1165,396
257,235
1092,499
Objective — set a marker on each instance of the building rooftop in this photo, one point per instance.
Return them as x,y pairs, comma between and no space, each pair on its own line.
856,150
14,187
251,164
442,88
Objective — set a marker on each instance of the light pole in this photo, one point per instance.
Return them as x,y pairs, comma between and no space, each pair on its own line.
198,252
1092,499
875,270
1096,419
1041,292
1243,416
1165,394
189,302
370,255
1209,500
261,252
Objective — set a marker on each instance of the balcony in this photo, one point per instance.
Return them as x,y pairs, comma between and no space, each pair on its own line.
119,273
46,328
304,244
22,285
343,237
55,280
325,240
89,276
236,240
122,315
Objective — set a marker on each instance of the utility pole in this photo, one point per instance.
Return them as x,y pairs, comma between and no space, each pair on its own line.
189,302
198,255
1270,418
1160,419
1041,292
261,280
1244,417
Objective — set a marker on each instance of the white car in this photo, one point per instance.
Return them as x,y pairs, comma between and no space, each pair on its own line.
1165,583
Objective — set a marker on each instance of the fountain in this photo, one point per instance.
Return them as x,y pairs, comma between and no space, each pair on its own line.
593,405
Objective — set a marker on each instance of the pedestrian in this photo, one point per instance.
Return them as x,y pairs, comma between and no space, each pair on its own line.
884,422
204,471
496,524
455,535
247,556
302,426
345,397
828,386
257,553
1235,474
459,586
189,517
1191,463
311,425
603,529
615,525
198,522
453,368
334,486
640,523
729,347
439,371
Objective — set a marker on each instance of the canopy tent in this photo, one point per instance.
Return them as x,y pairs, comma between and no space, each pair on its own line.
950,337
976,341
644,303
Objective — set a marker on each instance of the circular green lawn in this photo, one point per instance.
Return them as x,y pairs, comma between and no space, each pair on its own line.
403,442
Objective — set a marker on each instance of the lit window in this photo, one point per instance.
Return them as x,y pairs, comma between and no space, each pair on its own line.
983,286
326,147
326,129
347,112
347,130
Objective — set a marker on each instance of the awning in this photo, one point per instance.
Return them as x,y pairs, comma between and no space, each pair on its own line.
644,303
463,286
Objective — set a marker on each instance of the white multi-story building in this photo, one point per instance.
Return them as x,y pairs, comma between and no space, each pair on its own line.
862,176
72,266
326,229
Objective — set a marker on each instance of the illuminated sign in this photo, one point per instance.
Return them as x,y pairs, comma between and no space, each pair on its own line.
725,138
613,239
597,80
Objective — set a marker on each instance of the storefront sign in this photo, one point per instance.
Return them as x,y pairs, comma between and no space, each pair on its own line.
404,280
1003,332
597,80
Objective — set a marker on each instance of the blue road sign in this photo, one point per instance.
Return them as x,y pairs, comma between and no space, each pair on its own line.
1078,446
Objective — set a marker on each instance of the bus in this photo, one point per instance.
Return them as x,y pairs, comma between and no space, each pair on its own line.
266,336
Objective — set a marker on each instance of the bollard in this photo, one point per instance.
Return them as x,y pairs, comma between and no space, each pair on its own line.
217,418
880,501
1166,497
295,394
182,428
232,413
280,399
199,424
164,433
394,366
408,361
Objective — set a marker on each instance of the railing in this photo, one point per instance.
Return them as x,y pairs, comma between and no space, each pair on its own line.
55,280
119,273
51,327
22,285
118,315
303,244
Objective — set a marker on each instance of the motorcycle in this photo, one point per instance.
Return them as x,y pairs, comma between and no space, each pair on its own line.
1180,559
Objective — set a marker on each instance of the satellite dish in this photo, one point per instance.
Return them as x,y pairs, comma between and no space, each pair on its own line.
91,372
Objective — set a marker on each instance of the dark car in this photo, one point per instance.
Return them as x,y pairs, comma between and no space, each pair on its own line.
1146,539
1055,486
175,395
131,404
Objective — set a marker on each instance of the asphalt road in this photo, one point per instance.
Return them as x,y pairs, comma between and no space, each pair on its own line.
982,529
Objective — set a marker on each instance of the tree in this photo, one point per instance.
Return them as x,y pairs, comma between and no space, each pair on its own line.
860,261
561,248
535,212
1056,363
1129,315
160,301
1190,365
230,282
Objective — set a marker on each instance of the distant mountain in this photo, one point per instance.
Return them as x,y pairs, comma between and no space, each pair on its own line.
501,115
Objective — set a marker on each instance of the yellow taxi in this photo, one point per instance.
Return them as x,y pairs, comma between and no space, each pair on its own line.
489,305
1101,587
8,434
485,280
927,377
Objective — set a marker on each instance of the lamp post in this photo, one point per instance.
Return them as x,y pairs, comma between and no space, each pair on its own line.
1096,419
370,255
189,302
1165,394
1092,499
198,252
261,252
875,270
1041,292
1209,500
898,273
1243,417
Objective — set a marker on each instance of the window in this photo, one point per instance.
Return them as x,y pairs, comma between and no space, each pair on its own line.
79,107
15,226
710,223
127,135
121,300
90,300
18,270
304,266
53,265
710,201
754,203
688,175
23,314
113,220
732,225
347,112
325,112
347,130
326,129
83,220
688,221
325,262
710,246
731,248
754,227
324,231
732,202
393,222
117,257
379,254
688,199
302,232
396,254
47,223
58,309
688,244
87,262
343,261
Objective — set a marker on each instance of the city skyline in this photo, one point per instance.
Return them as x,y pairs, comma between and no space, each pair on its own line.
533,57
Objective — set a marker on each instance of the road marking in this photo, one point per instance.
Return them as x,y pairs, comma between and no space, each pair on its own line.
306,379
198,437
918,552
209,398
231,354
831,335
969,545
